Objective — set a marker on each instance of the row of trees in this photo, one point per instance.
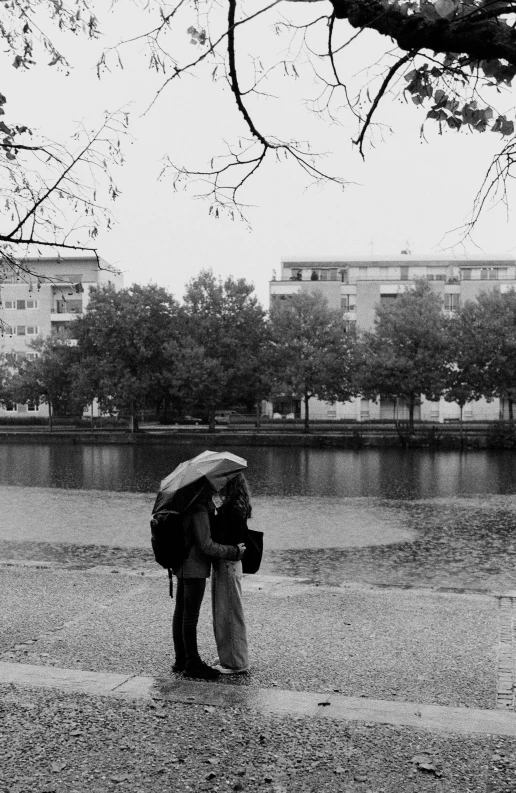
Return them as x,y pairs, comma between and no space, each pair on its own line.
139,348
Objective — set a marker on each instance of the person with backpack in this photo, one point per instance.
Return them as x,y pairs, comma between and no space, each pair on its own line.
191,583
229,526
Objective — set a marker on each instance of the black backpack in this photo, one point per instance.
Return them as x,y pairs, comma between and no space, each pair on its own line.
168,540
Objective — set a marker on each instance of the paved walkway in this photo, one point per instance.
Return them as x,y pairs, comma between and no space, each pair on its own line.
294,703
351,688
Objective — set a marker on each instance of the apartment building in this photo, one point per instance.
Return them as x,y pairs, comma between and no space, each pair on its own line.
53,293
358,284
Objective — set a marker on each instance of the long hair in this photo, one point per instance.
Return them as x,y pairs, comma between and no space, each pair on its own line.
236,495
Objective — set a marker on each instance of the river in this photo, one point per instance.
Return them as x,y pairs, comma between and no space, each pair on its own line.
380,516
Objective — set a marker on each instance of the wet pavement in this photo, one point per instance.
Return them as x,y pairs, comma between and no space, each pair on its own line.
457,544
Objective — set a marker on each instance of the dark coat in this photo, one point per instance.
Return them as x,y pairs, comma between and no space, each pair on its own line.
202,547
228,526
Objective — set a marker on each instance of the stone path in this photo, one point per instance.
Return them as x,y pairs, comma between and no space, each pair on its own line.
295,703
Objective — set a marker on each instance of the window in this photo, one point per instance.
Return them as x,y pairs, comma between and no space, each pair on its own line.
347,302
32,407
20,330
351,325
404,273
465,275
21,305
8,330
31,356
324,274
451,302
32,330
387,299
11,407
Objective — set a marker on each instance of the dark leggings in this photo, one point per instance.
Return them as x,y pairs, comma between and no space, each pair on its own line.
189,595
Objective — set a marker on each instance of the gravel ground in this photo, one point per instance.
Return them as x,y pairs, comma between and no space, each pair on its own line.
35,601
54,743
386,644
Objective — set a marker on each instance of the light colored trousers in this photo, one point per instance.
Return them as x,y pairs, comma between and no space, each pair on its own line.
228,613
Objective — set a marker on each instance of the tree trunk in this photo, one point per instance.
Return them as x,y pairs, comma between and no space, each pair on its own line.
461,406
211,420
258,413
307,415
411,413
92,425
50,423
511,411
165,410
133,419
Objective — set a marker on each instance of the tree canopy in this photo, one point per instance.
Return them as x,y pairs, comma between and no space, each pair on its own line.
227,328
312,354
407,354
124,342
489,331
456,58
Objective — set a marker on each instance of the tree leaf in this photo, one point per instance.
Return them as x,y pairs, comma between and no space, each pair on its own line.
446,8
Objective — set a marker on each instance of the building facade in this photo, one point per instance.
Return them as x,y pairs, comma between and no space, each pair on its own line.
54,294
356,285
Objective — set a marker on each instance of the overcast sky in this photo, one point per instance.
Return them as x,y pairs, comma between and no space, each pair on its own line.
407,192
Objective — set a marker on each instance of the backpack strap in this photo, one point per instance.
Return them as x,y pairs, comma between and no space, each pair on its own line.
170,584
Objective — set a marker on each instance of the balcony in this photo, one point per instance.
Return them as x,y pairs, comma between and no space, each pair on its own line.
67,316
68,307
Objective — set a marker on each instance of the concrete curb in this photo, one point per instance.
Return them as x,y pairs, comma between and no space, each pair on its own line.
274,701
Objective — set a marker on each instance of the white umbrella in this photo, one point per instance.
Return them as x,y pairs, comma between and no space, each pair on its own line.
180,488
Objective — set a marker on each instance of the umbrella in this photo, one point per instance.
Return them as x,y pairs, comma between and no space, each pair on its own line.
186,482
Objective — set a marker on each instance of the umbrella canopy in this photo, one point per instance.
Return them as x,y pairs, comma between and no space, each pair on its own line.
186,482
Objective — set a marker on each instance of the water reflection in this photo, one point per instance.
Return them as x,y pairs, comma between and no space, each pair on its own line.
382,516
384,473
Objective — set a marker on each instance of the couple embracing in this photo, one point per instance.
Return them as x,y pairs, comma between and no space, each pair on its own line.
215,526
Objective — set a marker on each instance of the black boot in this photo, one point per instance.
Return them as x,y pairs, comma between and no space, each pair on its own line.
200,671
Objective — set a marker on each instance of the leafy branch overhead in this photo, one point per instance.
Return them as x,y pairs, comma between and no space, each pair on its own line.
454,60
449,55
54,194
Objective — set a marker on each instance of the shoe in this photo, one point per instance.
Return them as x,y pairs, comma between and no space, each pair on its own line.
179,666
227,670
201,671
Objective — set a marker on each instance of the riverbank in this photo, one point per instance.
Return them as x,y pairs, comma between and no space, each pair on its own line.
357,436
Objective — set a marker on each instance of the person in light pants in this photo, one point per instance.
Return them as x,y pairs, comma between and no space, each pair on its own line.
228,527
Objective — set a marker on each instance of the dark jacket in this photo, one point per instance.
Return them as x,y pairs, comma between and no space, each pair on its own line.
228,526
202,547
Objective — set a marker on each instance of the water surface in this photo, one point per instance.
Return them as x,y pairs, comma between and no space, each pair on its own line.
385,473
382,516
